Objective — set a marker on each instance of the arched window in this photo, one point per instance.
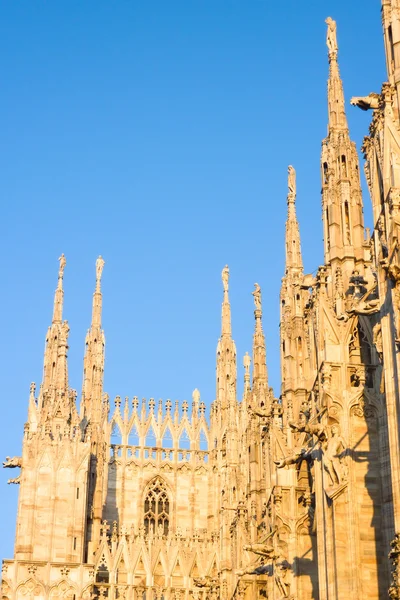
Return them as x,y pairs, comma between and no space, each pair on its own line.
156,507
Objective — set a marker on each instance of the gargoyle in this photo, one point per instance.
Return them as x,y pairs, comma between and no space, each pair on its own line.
366,102
261,412
292,459
17,480
11,463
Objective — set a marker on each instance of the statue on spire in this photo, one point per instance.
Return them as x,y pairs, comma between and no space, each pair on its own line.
99,269
292,180
225,278
331,40
246,363
63,262
257,296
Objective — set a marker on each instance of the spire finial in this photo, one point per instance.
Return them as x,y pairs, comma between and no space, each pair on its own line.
226,309
257,297
225,278
337,114
59,295
293,250
97,299
331,40
291,183
63,262
99,270
291,197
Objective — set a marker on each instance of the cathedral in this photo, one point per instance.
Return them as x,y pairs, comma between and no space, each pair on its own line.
260,497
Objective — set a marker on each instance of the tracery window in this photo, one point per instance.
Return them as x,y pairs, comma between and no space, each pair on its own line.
156,507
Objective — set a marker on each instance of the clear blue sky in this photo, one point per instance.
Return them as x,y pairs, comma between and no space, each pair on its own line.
158,134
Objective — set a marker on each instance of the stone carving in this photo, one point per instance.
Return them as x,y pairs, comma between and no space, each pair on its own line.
261,412
63,262
297,455
99,268
366,102
11,463
292,180
331,40
333,457
265,549
210,585
257,296
333,447
225,278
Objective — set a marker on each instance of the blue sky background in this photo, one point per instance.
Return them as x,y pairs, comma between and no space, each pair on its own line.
158,134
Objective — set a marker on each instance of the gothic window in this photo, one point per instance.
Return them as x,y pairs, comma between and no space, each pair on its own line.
156,507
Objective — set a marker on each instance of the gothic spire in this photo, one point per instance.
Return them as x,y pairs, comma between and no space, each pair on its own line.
226,350
97,297
341,189
93,364
226,329
337,113
59,294
294,261
260,377
55,368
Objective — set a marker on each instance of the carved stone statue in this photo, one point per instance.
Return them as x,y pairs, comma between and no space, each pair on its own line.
63,262
225,278
292,180
333,456
64,332
99,268
11,463
331,40
366,102
257,296
246,361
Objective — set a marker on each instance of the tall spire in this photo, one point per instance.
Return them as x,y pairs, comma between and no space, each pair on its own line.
226,329
93,364
226,350
59,294
55,367
260,377
97,297
337,113
294,259
341,189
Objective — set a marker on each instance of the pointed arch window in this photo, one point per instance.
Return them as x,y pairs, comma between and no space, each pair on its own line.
156,507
